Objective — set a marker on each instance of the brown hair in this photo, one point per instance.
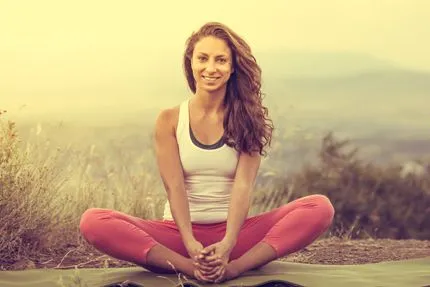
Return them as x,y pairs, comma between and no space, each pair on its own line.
246,123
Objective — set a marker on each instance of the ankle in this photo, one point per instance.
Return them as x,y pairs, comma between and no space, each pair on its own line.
160,257
188,269
234,268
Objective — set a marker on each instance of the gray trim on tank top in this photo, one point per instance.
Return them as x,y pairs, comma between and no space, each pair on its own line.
216,145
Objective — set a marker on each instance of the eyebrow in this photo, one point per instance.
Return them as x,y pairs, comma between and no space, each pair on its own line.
217,56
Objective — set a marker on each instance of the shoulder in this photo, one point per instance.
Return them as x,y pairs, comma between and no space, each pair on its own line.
167,119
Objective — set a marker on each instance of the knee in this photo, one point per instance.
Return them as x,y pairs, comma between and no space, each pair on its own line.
324,209
90,223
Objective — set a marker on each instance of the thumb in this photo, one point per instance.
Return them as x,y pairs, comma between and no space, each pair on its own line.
207,250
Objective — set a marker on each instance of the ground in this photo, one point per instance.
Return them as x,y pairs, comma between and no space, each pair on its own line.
338,251
324,251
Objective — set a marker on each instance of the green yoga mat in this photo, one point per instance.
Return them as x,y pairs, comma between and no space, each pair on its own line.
405,273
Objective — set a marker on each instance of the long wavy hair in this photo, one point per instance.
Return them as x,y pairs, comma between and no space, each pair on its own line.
247,126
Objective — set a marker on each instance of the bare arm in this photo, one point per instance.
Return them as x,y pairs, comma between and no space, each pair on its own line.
240,201
170,169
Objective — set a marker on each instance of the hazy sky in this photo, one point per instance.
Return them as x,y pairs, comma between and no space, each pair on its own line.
49,49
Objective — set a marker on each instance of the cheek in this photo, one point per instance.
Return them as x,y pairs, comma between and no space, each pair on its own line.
196,68
196,71
227,71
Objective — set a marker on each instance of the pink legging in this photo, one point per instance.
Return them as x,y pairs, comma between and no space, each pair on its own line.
287,229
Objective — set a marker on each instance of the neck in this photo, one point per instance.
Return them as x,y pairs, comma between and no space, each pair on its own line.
210,102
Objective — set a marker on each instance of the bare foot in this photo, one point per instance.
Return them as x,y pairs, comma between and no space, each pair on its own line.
207,276
230,272
191,271
204,270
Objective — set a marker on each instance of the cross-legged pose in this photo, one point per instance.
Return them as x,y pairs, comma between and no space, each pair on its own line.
209,149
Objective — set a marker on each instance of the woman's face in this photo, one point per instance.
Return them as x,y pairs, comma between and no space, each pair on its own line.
212,64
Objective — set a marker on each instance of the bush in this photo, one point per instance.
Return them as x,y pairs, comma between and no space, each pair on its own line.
29,207
45,189
370,201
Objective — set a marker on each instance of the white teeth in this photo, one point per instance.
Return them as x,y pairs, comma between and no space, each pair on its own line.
210,78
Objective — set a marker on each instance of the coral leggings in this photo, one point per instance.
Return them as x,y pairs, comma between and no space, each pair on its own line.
287,229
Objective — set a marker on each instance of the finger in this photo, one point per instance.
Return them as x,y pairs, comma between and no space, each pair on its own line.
216,276
212,263
212,271
208,250
203,267
217,271
197,275
200,277
200,258
208,270
212,257
220,277
204,256
197,258
208,260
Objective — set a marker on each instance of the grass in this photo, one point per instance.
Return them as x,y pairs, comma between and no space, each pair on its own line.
32,211
44,191
45,187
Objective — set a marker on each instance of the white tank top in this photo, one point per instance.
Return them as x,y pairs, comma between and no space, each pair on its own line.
209,172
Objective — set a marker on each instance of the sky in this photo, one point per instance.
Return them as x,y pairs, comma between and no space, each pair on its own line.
51,51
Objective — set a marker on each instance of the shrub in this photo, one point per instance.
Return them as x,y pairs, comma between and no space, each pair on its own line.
29,206
370,200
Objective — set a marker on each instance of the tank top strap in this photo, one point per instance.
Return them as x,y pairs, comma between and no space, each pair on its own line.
183,119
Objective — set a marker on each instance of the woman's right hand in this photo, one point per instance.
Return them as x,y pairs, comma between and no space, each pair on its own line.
194,248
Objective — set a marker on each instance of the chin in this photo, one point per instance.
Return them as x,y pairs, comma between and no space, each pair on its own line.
212,89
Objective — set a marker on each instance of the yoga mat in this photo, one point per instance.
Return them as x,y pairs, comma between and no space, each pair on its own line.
405,273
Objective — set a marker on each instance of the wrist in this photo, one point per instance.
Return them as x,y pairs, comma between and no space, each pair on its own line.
189,241
230,241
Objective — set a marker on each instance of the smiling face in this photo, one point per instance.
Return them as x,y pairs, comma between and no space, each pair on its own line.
211,64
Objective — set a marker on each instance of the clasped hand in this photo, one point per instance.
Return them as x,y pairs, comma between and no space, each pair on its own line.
211,262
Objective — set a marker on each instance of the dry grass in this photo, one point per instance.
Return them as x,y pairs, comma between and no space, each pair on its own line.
45,189
32,211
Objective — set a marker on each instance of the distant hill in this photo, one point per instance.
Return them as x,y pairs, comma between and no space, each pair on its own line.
281,64
381,90
312,83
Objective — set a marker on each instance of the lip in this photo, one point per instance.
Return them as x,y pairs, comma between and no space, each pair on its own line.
209,78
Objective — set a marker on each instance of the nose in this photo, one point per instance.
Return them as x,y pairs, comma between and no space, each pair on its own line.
210,67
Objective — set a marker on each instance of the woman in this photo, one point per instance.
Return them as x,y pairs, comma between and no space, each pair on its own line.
208,151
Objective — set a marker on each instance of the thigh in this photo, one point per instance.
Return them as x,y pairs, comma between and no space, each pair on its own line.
164,232
255,228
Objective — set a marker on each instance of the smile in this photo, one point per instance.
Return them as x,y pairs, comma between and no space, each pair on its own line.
211,79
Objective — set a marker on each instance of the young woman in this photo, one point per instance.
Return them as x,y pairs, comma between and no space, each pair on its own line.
208,151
